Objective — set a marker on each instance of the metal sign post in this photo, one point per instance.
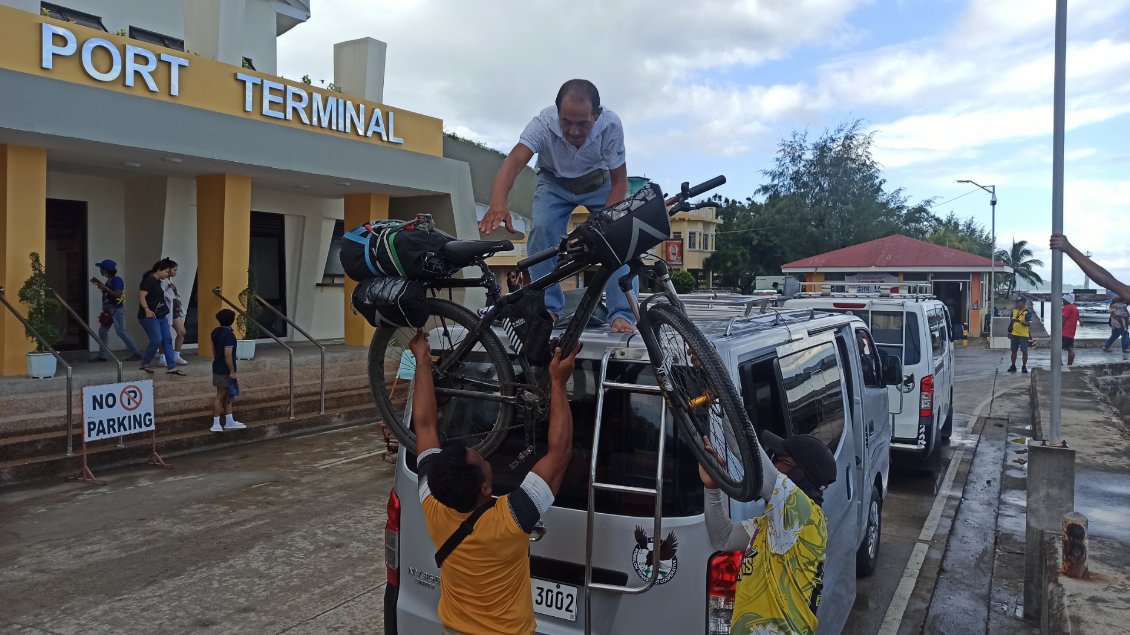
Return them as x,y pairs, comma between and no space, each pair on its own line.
1057,216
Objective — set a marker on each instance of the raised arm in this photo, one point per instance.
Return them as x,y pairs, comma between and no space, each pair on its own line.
423,395
499,211
1090,268
551,467
726,534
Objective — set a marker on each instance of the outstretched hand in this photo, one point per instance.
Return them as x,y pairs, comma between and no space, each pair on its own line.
1059,241
561,367
495,217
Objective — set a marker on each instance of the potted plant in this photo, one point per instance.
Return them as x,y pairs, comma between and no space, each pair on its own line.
43,316
248,323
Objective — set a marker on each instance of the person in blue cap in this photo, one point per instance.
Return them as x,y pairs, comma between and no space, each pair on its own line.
113,314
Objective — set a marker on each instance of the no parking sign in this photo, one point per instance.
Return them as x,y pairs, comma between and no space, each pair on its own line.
115,410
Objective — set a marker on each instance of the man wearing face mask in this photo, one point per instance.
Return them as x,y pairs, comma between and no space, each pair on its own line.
580,148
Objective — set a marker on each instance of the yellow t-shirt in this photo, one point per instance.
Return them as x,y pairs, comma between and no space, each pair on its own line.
1019,327
782,575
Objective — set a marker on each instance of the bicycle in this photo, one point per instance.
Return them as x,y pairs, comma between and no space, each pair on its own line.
477,390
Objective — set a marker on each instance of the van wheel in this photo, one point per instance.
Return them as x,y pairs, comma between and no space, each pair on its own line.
867,557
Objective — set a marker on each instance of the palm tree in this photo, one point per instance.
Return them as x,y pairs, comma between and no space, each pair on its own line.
1020,259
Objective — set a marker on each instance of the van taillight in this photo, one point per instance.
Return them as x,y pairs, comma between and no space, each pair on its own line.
926,401
392,540
721,580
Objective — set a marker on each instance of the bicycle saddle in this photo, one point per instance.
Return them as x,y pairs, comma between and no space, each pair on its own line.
460,253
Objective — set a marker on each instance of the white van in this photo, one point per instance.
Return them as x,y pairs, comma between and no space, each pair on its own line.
797,372
916,328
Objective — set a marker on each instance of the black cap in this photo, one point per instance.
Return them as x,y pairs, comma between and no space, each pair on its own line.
809,453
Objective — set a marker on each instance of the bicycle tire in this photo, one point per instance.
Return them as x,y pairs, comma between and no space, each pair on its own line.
722,417
480,424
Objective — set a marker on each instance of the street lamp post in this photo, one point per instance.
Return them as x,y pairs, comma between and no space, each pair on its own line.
992,190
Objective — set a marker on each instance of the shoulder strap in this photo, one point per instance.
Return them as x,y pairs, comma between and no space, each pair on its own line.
461,532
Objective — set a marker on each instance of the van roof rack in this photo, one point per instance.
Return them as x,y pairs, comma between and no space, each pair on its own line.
840,289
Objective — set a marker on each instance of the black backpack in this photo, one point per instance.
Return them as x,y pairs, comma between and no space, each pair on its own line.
395,248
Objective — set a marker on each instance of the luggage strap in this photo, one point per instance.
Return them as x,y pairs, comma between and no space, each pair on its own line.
461,532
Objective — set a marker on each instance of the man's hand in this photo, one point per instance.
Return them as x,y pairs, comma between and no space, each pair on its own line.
708,482
233,375
419,345
561,368
1059,241
494,217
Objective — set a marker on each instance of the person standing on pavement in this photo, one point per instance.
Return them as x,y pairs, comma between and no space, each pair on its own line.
482,544
581,161
224,377
113,290
781,577
176,311
1119,324
1020,333
1070,325
1100,275
151,313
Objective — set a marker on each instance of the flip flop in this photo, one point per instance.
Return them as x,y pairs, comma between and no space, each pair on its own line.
176,371
147,369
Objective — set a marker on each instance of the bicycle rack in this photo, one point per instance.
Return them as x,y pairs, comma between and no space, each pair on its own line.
594,485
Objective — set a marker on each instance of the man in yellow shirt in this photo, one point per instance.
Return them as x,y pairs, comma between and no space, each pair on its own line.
782,573
1020,333
482,544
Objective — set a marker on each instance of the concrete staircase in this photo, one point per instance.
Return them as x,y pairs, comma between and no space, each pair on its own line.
33,412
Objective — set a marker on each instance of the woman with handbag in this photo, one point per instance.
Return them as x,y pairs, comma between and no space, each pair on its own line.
113,314
152,314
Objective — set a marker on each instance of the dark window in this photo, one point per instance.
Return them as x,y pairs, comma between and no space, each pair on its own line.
938,334
692,241
813,388
761,392
154,37
677,236
70,15
869,358
333,274
889,328
629,443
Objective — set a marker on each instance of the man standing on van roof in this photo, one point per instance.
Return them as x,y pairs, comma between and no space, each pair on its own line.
580,148
1020,332
782,572
483,545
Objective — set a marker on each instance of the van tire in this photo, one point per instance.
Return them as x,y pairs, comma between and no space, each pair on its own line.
867,557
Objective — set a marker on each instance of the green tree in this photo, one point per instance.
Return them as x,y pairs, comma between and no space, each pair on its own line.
966,235
43,308
1019,257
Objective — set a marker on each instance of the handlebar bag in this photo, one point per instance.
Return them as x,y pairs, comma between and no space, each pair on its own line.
391,302
629,228
395,248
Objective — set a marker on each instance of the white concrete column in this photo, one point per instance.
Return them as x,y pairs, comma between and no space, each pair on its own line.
214,29
359,68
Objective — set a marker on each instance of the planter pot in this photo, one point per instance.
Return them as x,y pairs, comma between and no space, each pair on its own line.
41,365
245,349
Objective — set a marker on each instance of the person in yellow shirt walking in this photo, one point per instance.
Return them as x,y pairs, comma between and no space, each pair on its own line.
1020,333
782,572
483,544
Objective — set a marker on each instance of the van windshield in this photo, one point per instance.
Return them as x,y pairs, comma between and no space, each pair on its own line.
628,452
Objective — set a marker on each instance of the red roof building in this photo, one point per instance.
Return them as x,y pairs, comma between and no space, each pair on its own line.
954,276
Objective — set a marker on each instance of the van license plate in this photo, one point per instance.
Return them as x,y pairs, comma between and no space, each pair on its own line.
553,599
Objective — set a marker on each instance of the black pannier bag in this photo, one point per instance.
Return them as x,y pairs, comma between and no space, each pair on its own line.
629,228
391,302
528,326
395,248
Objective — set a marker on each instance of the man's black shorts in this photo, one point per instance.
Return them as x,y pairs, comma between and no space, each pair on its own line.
1018,342
1069,342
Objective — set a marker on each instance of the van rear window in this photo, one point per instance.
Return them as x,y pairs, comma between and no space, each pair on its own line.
628,451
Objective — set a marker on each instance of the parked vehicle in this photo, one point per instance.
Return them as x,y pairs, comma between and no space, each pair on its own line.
796,371
910,324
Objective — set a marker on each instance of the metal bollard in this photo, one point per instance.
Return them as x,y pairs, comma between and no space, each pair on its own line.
1075,545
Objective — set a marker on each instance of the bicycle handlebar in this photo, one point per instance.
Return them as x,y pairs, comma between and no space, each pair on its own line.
705,186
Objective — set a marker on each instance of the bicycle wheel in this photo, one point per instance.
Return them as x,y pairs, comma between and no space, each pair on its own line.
481,419
705,403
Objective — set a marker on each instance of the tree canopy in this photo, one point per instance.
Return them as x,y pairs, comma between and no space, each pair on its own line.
823,194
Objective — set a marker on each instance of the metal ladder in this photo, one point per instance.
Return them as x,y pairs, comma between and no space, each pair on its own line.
622,354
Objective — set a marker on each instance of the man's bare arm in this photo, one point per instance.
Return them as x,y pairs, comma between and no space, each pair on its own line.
423,395
551,467
499,211
619,177
1090,268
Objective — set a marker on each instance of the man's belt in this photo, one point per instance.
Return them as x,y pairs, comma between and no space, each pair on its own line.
583,184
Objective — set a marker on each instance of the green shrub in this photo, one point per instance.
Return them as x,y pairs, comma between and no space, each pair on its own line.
43,308
684,282
249,326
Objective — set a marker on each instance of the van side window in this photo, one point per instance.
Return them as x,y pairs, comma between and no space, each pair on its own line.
938,335
761,394
869,358
813,387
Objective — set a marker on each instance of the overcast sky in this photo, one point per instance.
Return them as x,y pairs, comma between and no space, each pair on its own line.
954,89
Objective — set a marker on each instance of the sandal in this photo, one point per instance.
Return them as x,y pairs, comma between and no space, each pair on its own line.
177,371
147,369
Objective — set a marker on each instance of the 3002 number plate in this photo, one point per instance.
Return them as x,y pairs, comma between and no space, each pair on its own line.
553,599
